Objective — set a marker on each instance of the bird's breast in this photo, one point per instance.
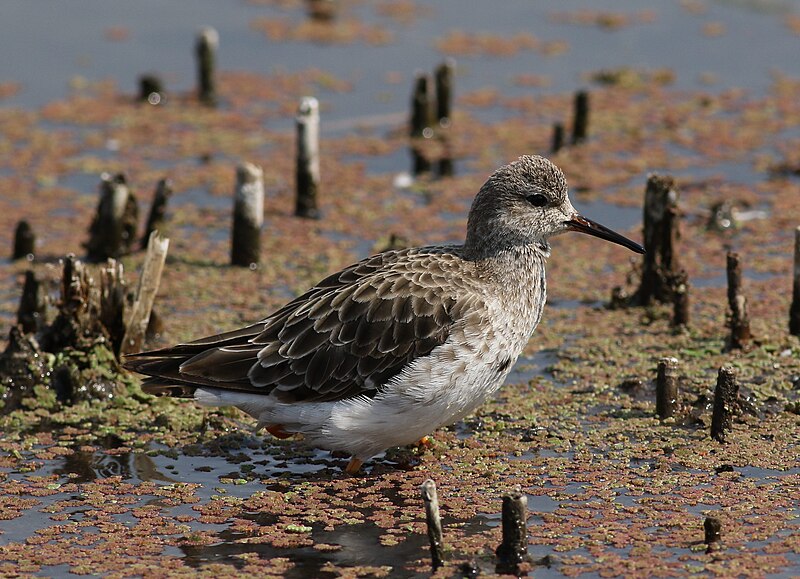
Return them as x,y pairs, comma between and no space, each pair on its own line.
519,298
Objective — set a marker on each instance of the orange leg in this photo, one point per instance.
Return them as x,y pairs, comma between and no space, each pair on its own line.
353,466
425,442
277,431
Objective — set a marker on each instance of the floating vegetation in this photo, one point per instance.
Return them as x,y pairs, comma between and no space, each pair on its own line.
127,485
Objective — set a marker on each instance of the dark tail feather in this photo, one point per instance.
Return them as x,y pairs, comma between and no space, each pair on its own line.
222,369
165,378
164,365
165,375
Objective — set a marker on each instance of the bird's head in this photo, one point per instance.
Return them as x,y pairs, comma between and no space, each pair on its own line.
524,203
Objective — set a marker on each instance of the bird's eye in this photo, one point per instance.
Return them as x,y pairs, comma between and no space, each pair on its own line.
537,199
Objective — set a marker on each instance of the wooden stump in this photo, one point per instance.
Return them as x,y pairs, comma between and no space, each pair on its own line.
661,267
248,216
726,396
434,523
138,321
24,241
712,533
667,387
22,367
794,309
86,335
580,121
680,300
32,306
443,76
558,138
421,107
206,53
91,307
307,166
514,548
421,124
113,303
738,316
151,89
113,230
157,218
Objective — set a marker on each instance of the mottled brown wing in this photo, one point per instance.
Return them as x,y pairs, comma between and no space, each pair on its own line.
346,336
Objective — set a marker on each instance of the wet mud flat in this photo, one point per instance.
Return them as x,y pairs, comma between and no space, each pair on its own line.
138,486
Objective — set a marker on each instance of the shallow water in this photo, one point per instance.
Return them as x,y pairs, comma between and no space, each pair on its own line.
55,43
359,544
63,41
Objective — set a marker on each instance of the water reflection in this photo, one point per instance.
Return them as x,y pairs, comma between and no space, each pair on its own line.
85,466
358,544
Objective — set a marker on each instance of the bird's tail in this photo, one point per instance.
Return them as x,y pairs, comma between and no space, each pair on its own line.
158,387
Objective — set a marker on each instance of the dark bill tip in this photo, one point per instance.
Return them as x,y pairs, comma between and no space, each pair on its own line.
580,223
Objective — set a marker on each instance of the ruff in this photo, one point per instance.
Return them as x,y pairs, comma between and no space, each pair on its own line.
395,346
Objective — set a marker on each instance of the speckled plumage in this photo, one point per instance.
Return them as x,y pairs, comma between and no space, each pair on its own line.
391,348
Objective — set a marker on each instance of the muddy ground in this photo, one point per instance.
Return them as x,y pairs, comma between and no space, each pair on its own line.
138,486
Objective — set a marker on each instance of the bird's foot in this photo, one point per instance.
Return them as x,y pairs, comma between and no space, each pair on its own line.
425,443
353,466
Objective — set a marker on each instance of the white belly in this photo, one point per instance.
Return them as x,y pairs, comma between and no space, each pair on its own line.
433,391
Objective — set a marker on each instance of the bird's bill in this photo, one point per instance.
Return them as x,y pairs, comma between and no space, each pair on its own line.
584,225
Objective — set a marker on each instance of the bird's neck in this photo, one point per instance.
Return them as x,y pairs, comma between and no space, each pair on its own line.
504,247
514,276
516,261
510,266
